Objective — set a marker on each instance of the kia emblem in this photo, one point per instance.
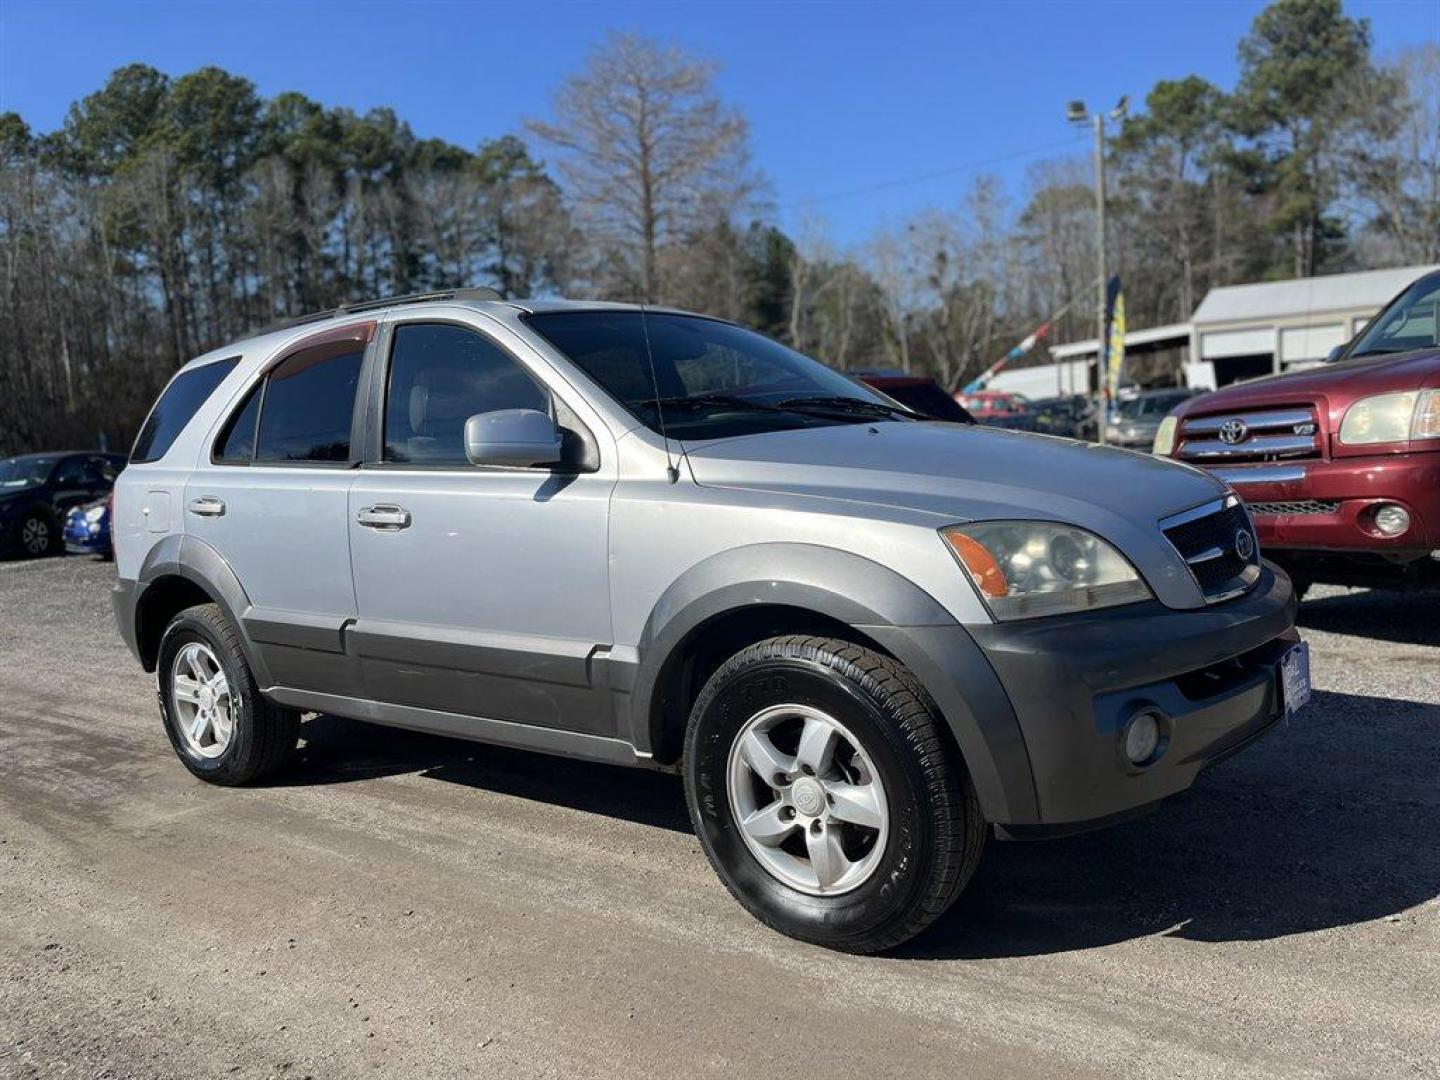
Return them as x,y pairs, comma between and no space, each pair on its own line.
1233,431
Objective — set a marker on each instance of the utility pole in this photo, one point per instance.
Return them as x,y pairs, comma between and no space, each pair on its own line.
1103,377
1076,113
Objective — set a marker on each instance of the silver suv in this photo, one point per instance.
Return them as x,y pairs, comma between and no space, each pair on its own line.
868,641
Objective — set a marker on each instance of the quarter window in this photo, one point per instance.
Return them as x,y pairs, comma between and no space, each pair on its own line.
440,376
309,402
180,401
237,441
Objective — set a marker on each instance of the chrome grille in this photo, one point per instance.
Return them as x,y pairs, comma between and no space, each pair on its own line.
1262,435
1303,507
1208,538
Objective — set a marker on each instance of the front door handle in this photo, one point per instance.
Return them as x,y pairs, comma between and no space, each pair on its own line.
207,506
384,517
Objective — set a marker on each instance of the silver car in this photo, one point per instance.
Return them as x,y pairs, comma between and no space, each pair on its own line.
868,642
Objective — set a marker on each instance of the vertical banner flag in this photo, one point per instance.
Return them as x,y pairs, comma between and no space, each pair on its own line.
1113,346
980,381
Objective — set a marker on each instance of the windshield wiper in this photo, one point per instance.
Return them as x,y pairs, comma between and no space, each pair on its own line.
701,401
847,405
1376,352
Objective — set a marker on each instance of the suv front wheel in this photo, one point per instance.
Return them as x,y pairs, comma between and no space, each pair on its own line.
219,725
824,795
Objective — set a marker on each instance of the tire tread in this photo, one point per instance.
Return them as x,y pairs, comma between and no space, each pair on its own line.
960,828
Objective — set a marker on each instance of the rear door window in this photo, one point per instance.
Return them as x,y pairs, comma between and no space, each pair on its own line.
309,404
177,405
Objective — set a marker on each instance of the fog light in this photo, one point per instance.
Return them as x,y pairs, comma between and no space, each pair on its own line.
1142,737
1391,520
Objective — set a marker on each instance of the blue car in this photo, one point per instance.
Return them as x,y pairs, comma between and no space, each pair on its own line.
87,530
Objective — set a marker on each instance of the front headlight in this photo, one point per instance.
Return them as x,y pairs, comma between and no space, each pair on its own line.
1396,417
1023,569
94,514
1165,436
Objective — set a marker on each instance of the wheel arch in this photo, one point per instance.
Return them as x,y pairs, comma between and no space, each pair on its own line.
748,594
179,572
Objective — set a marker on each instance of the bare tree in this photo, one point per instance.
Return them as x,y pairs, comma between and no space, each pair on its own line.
649,153
1394,159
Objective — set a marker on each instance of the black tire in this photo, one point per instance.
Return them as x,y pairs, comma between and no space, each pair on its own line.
265,734
936,831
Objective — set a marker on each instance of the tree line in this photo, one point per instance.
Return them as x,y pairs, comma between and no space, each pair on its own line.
167,216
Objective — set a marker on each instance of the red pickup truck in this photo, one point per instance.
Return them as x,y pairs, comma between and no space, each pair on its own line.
1339,465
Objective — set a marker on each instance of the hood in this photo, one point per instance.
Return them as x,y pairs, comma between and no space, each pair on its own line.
960,472
1338,384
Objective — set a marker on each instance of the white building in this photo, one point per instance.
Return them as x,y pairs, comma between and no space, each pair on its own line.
1237,332
1241,331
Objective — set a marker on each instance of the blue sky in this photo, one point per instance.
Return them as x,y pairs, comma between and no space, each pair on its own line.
842,97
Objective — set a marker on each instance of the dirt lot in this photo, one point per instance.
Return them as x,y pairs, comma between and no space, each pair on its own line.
413,906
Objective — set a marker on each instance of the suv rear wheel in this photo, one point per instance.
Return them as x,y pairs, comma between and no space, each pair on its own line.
219,725
824,796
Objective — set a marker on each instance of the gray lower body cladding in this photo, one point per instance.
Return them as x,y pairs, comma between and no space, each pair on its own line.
1074,683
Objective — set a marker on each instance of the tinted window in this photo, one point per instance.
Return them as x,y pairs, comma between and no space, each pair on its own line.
75,472
26,471
440,376
180,401
750,380
236,445
1412,321
309,401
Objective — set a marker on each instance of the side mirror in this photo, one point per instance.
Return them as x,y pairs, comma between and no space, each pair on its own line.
1334,354
517,437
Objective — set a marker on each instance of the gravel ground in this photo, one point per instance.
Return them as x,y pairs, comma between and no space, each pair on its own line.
414,906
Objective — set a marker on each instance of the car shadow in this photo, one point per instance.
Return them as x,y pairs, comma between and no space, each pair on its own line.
336,751
1329,820
1404,618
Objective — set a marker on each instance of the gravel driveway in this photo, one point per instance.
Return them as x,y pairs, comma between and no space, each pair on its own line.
415,906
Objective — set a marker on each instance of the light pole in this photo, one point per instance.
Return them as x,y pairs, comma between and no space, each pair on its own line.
1076,113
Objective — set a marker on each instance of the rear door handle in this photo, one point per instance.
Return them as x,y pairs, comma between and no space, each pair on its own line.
207,506
384,517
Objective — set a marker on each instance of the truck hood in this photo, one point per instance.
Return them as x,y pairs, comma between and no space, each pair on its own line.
1338,384
961,472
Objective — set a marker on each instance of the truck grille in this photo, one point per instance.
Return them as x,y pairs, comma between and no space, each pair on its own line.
1303,507
1218,545
1260,435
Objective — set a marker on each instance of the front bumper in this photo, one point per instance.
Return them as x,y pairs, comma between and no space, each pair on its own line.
1357,485
1075,682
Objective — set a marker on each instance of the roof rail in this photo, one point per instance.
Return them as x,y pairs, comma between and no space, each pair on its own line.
390,301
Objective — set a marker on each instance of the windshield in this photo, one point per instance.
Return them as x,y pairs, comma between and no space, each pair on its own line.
25,472
1410,322
1156,407
714,380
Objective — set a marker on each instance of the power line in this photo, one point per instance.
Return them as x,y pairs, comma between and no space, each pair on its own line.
933,175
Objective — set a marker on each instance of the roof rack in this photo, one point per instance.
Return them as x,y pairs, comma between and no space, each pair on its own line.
390,301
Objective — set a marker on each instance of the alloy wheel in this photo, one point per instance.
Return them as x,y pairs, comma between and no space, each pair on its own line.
35,536
204,707
807,799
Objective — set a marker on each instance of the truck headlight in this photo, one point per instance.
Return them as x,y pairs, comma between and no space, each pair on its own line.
1165,436
1394,417
1023,569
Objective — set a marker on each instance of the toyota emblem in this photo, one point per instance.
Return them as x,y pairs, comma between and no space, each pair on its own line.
1234,431
1244,544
